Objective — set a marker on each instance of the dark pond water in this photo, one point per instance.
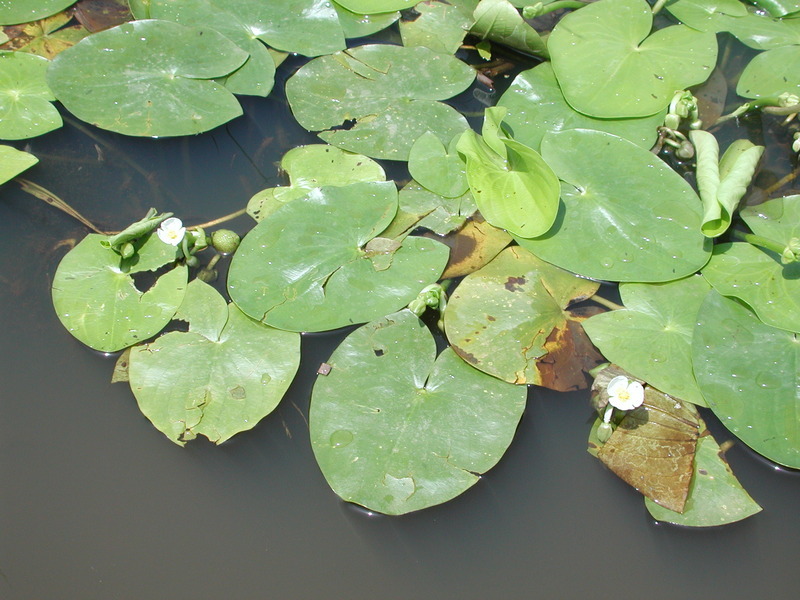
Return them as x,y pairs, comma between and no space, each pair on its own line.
97,504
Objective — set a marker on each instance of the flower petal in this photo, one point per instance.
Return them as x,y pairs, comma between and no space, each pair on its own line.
616,385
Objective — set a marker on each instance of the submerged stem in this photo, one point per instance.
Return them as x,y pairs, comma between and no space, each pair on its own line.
44,194
224,219
606,302
658,6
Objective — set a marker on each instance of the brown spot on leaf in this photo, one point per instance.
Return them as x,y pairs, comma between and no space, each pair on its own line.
470,358
514,284
570,356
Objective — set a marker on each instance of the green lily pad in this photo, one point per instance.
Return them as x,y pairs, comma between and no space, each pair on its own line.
313,265
220,378
715,495
148,78
757,277
440,26
375,99
25,100
237,20
748,374
504,318
396,429
436,167
371,7
23,11
356,25
96,298
515,189
420,207
771,73
140,9
707,15
312,166
651,338
536,105
609,66
627,217
779,8
305,27
500,22
13,162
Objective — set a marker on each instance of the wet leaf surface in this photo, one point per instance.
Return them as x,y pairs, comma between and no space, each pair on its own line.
25,98
13,162
13,12
397,429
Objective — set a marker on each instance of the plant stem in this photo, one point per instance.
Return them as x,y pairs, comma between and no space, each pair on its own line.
53,200
559,4
229,217
757,240
782,182
606,302
658,6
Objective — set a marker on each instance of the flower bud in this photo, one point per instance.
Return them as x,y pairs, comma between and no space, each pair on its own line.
225,241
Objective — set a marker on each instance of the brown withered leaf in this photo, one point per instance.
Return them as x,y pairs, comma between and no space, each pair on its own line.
45,37
473,246
97,15
570,354
653,447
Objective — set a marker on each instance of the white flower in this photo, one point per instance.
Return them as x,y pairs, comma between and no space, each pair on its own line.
171,231
624,394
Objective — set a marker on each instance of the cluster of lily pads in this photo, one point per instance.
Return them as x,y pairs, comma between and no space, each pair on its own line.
558,195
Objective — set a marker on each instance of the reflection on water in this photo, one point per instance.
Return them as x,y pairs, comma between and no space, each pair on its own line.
96,503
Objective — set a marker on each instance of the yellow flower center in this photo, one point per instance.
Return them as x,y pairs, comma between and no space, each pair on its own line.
624,395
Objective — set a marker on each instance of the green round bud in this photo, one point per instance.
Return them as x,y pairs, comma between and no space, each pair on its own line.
127,250
225,241
604,432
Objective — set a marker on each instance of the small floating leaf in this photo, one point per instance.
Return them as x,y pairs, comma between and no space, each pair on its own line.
609,66
440,26
149,78
749,375
436,167
13,162
98,302
25,99
651,338
771,73
13,12
313,166
396,429
375,99
220,378
627,217
306,267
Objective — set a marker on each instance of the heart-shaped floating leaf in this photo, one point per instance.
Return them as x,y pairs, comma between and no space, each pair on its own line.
23,11
440,26
356,25
499,21
515,189
627,217
13,162
309,266
396,429
221,377
536,105
715,496
149,78
707,15
722,183
96,298
375,99
756,275
437,168
771,73
312,166
607,69
371,7
509,319
237,20
653,447
24,97
651,337
749,375
306,27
